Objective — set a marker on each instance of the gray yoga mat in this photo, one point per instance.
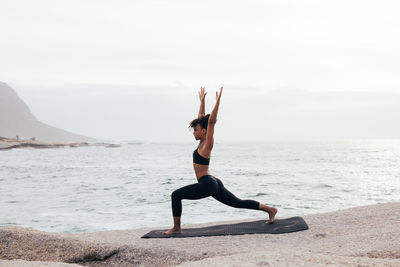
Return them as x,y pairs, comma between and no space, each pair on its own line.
255,227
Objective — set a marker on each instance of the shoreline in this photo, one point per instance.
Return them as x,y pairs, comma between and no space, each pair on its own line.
366,235
12,143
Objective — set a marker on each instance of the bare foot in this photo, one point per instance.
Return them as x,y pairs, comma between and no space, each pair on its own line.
173,230
272,212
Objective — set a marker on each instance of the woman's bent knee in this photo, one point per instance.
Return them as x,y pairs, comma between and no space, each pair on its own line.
174,195
214,191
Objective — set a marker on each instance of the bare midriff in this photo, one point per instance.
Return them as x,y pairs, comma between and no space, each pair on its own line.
200,170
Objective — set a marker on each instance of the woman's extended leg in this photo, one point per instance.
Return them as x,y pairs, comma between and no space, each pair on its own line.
205,187
225,196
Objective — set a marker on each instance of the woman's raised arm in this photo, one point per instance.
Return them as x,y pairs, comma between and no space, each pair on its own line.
212,120
213,116
202,96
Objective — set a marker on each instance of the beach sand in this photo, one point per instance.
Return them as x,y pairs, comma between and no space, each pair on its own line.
360,236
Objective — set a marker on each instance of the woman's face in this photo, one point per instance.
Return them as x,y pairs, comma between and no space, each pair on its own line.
198,132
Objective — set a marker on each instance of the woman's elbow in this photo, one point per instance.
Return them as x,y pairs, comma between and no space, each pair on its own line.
212,121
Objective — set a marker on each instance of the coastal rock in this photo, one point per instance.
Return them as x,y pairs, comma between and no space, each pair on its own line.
42,247
32,245
358,236
113,145
11,143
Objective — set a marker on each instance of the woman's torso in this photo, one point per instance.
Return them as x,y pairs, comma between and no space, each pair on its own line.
200,169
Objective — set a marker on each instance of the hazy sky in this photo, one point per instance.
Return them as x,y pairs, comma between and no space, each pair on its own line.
132,69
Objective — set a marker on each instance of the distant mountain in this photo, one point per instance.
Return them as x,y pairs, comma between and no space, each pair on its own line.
17,119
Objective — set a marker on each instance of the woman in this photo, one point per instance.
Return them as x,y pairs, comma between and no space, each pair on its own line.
208,185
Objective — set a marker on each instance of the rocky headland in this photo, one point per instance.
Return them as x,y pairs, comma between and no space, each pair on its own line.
16,119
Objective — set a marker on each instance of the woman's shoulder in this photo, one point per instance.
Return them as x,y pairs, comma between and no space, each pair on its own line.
201,149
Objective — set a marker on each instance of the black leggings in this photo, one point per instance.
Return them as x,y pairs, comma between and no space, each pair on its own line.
208,185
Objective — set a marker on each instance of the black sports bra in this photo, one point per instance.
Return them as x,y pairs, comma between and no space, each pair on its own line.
197,158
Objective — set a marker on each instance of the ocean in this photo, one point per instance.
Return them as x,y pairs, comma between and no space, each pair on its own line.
87,189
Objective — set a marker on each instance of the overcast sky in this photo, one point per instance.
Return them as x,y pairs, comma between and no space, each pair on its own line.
131,69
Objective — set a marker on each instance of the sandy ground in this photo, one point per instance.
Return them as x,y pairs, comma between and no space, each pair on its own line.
361,236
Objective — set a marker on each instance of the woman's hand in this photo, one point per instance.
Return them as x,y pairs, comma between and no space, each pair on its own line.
202,94
220,93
